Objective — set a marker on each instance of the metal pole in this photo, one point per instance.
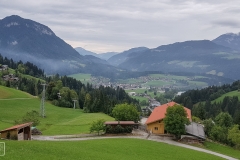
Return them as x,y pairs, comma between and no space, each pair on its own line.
42,106
74,101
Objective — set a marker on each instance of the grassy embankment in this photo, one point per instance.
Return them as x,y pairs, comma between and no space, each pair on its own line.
223,149
127,149
58,120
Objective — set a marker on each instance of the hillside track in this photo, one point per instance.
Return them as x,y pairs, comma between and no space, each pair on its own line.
14,99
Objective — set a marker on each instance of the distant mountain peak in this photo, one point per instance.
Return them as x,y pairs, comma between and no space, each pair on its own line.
231,40
17,21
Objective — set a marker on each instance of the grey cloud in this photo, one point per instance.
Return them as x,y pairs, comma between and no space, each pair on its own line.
227,23
126,23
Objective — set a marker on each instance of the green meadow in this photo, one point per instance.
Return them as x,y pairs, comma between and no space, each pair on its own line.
58,121
6,93
223,149
101,149
84,78
229,94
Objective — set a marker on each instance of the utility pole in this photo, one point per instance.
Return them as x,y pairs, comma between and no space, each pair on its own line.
42,106
74,101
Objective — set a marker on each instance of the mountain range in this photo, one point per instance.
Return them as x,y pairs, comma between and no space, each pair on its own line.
27,40
104,56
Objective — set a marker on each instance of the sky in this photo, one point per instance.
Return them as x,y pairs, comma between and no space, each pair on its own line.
118,25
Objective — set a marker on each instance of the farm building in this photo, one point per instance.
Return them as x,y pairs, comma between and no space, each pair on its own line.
18,132
155,120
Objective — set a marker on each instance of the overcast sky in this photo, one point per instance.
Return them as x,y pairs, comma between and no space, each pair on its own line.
118,25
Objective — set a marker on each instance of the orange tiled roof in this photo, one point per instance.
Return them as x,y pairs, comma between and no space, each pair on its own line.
159,112
19,126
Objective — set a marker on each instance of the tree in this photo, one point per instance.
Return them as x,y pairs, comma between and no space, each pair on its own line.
32,116
98,126
234,135
224,119
125,112
175,120
208,125
218,133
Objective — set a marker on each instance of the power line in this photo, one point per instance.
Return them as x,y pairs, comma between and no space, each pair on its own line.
74,101
42,106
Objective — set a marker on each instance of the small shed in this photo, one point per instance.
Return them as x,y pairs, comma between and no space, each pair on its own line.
18,132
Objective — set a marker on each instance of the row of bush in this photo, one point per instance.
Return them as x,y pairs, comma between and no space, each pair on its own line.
119,129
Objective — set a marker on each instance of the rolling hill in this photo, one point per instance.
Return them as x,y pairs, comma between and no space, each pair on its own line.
15,104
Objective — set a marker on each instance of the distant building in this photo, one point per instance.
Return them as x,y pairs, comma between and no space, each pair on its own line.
131,93
3,67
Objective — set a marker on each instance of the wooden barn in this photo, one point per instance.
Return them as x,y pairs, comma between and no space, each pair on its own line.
18,132
155,120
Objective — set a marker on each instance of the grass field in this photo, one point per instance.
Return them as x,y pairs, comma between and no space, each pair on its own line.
58,120
229,94
222,149
103,149
12,93
82,77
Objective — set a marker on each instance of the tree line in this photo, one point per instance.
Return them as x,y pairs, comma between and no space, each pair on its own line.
62,90
221,119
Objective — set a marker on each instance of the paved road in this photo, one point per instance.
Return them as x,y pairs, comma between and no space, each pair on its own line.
141,135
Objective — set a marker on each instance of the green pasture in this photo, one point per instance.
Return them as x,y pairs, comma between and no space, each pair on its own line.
168,76
57,121
81,76
229,94
101,149
223,149
158,83
6,93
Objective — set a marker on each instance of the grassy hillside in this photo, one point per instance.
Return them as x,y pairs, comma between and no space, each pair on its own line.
6,93
58,120
222,149
105,149
229,94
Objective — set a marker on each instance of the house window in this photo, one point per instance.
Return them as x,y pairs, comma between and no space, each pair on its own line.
156,128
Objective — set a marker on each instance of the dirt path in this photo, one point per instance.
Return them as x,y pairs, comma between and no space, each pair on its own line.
138,134
14,99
